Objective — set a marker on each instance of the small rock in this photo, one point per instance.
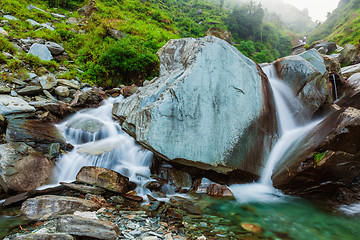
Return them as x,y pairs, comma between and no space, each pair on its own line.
54,48
32,7
104,178
88,227
116,33
87,215
45,236
55,15
72,21
4,89
33,22
62,91
48,26
69,83
217,190
150,238
85,188
127,91
48,81
10,17
3,32
41,51
48,206
30,91
254,228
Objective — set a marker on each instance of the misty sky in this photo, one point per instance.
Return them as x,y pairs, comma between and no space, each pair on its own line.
318,9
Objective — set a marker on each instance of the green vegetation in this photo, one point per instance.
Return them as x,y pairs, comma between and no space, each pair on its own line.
318,157
144,25
341,26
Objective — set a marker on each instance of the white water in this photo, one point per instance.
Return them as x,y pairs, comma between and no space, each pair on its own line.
109,148
290,134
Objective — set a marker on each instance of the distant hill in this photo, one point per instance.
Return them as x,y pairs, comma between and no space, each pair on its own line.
341,26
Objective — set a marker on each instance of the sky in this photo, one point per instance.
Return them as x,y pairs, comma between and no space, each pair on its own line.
318,9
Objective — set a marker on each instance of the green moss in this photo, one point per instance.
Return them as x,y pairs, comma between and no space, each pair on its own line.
7,46
318,157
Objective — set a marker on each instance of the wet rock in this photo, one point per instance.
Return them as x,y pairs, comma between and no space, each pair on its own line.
12,105
41,51
185,204
22,168
58,108
4,89
86,124
104,178
84,188
90,97
254,228
54,48
45,236
87,227
48,206
47,81
165,110
40,134
176,178
154,185
217,190
298,49
306,75
349,54
219,33
30,91
332,64
328,159
133,197
62,91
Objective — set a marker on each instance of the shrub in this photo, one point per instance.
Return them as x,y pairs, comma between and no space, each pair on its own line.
7,46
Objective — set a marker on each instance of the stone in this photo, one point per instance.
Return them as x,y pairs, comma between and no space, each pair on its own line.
84,188
306,75
332,64
86,124
329,158
10,17
176,178
41,51
89,97
33,22
47,81
191,105
48,26
41,134
54,48
62,91
55,15
4,89
254,228
58,108
87,215
30,91
3,32
32,7
69,83
12,105
217,190
22,168
116,33
72,21
45,236
51,206
219,33
298,49
78,226
105,178
328,47
127,91
350,70
349,55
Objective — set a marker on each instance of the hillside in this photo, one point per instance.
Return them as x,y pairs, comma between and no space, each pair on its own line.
341,26
110,42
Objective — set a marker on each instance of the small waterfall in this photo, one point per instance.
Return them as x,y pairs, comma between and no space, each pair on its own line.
335,87
291,132
108,147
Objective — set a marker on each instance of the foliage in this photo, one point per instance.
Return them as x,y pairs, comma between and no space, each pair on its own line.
6,45
3,58
318,157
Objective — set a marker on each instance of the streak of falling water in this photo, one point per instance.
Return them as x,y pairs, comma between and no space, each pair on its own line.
107,147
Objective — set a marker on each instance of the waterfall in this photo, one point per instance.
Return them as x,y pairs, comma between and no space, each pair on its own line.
291,132
108,147
335,87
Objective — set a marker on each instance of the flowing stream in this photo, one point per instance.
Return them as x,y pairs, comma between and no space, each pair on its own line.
103,144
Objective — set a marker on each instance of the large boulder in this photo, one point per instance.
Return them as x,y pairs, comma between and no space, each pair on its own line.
306,75
22,168
350,70
349,54
41,51
13,105
51,206
211,108
328,159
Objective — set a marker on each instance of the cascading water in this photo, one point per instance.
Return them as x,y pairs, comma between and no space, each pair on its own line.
102,144
290,134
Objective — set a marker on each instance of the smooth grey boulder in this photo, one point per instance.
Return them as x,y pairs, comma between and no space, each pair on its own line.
328,47
62,91
78,226
54,48
51,206
349,54
211,108
11,105
306,75
86,124
33,22
22,168
41,51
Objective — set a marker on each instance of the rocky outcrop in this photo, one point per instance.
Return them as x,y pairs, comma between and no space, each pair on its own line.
306,75
349,54
327,160
22,169
92,228
48,206
104,178
211,108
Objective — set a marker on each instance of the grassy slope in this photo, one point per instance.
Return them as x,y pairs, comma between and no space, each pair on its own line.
341,26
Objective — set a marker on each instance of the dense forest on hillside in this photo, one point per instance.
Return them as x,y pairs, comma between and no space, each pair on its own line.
341,26
96,56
